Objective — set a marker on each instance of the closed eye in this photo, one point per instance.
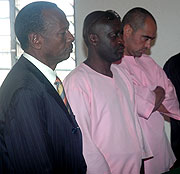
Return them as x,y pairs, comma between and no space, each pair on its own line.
114,35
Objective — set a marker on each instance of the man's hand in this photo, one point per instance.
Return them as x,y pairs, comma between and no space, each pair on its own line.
160,96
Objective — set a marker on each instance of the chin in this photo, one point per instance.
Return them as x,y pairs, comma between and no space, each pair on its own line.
65,57
117,59
120,56
138,54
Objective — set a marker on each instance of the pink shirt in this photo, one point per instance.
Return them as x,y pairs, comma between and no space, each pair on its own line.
105,110
147,75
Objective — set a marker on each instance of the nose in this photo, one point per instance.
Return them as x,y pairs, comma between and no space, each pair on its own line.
120,39
148,44
70,37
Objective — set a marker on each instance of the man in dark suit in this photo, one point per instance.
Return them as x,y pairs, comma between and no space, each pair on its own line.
37,133
172,69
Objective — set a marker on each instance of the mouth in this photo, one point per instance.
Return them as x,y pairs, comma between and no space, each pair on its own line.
122,46
143,51
121,49
70,49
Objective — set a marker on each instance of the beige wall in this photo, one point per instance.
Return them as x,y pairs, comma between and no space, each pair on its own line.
166,12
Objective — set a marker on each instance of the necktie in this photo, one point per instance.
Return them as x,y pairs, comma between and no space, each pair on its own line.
61,92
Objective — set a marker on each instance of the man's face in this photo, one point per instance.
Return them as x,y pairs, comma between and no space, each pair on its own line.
140,41
57,40
110,46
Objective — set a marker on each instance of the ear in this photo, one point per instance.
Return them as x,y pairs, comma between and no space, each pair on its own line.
35,40
127,30
93,39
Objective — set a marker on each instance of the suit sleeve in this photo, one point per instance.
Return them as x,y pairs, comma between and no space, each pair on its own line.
26,134
80,104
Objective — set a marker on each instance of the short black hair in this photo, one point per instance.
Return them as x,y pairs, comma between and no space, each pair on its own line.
136,18
30,19
95,17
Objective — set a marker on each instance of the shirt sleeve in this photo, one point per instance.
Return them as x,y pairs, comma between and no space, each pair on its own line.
145,99
173,73
172,70
80,103
26,136
170,101
145,96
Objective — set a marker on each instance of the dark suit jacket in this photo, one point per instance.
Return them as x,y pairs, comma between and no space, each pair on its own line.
37,134
172,69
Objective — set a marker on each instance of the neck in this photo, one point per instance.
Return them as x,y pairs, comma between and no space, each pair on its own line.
127,54
100,66
42,59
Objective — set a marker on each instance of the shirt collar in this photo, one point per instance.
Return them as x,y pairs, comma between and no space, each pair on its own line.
48,72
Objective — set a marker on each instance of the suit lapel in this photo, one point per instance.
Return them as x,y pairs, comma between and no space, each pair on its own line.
50,89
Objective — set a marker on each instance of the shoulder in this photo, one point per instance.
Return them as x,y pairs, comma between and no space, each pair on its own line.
23,76
175,57
148,62
171,67
122,73
76,75
147,58
174,60
78,78
117,68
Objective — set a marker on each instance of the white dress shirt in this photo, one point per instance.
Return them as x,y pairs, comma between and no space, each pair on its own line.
48,72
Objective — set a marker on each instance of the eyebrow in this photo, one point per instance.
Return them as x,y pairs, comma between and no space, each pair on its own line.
65,27
148,37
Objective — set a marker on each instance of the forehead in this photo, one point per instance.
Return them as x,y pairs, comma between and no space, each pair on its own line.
110,25
149,27
55,17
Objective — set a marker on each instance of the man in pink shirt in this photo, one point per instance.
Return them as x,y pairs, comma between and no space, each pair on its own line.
103,101
155,94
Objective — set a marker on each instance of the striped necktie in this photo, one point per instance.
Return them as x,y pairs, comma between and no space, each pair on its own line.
61,92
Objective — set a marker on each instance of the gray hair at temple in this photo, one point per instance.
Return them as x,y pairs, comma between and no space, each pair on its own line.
136,18
97,17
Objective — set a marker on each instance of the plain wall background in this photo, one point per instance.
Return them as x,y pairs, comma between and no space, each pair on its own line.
166,13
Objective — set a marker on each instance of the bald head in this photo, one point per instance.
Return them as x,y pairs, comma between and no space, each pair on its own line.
97,17
136,18
139,31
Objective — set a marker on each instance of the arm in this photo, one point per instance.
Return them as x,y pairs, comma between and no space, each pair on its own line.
145,99
150,101
159,98
170,102
170,106
25,135
173,72
80,104
163,110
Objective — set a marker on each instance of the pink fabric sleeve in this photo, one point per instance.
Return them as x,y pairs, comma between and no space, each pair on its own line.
145,99
80,104
171,102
